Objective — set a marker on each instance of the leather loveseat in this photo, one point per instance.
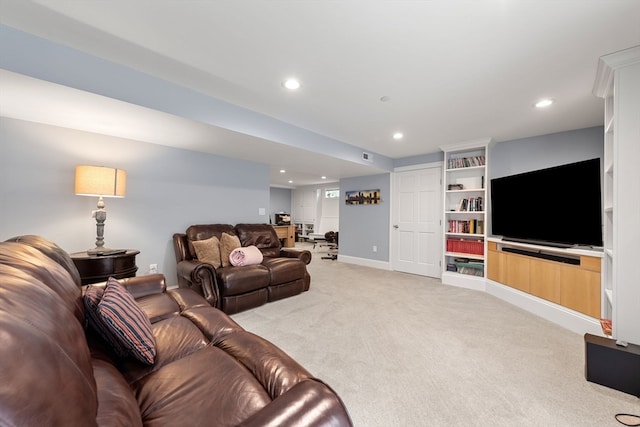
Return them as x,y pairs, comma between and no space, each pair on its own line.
281,274
208,371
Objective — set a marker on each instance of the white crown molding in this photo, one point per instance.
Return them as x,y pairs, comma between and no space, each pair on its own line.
607,64
466,145
420,166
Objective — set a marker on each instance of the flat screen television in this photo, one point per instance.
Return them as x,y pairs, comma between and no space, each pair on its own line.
558,206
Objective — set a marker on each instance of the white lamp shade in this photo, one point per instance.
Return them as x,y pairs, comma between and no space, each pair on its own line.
100,181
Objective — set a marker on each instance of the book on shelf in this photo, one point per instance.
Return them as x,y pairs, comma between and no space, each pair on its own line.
471,226
473,262
465,246
472,269
470,204
465,162
607,327
467,266
470,264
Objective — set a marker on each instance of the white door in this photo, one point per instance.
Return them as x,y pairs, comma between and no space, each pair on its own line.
416,221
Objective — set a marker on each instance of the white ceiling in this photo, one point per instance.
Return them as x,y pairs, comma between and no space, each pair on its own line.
452,70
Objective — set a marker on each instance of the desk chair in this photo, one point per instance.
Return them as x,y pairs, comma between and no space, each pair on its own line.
331,238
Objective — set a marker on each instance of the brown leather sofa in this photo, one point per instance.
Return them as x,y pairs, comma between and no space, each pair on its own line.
208,371
283,272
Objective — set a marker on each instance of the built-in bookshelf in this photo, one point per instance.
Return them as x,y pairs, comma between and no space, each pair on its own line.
618,83
608,181
464,217
304,229
304,213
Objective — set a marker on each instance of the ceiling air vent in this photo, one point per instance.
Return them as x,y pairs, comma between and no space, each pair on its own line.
367,157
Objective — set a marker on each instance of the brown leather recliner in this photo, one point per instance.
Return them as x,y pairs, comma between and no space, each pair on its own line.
208,370
281,274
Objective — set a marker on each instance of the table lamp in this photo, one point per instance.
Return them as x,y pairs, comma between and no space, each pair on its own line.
102,182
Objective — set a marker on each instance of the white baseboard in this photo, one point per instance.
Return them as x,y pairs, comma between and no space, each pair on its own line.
562,316
463,281
366,262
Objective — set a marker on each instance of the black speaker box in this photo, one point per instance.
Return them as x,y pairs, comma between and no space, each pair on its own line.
611,365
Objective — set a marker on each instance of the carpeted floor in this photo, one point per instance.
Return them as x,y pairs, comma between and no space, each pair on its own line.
405,350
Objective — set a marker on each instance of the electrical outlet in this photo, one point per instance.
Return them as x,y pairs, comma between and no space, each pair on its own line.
153,268
375,248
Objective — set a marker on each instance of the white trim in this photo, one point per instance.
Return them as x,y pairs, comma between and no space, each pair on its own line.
562,316
476,283
479,144
622,58
392,180
603,85
366,262
420,166
596,253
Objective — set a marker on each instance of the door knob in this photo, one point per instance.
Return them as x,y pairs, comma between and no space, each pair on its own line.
395,226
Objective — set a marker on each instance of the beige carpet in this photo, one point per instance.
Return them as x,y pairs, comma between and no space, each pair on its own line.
405,350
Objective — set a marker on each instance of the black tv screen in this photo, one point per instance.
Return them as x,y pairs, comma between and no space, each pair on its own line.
558,206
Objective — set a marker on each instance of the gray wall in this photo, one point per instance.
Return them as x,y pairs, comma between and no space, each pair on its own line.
280,201
363,226
168,189
419,160
545,151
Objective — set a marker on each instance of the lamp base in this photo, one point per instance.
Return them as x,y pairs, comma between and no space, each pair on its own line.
105,251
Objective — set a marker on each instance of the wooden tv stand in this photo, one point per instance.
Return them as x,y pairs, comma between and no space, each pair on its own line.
568,277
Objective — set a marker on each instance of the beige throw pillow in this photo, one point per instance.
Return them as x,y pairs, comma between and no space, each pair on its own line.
227,244
208,251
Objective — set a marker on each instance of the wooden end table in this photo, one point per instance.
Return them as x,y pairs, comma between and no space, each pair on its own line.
98,268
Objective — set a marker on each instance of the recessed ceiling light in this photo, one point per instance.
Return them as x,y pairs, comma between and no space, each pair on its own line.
398,135
544,103
282,171
323,177
290,182
291,84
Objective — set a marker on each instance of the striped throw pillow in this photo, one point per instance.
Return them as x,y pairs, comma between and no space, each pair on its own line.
126,322
91,299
